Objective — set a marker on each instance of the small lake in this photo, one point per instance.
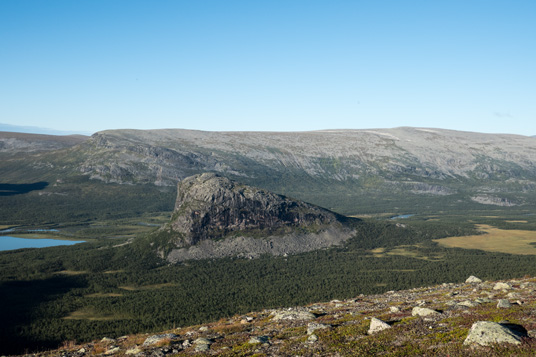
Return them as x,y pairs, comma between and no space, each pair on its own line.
403,216
11,243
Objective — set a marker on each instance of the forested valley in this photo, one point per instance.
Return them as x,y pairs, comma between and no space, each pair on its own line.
96,289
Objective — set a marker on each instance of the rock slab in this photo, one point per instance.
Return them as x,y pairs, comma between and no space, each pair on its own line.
377,325
293,315
423,311
485,333
152,340
473,280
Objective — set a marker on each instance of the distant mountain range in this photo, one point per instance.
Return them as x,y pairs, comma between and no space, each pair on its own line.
349,171
39,130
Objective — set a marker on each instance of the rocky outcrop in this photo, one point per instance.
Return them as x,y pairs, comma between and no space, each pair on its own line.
215,217
492,200
209,206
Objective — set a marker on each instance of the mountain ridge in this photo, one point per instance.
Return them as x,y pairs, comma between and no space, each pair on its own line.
348,171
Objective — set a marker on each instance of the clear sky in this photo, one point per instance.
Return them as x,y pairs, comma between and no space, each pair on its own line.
287,65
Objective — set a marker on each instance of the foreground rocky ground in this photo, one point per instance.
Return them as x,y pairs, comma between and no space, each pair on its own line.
474,318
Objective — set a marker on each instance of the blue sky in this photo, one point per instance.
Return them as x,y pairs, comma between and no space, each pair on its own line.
269,65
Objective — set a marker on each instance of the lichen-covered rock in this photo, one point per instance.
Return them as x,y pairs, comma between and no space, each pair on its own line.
423,311
152,340
202,344
485,333
313,326
502,286
473,280
468,303
293,315
503,303
112,350
133,351
259,339
377,325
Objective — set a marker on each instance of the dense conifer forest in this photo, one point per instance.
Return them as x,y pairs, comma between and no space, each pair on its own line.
96,289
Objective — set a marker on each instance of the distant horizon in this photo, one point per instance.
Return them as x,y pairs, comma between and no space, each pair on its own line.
51,131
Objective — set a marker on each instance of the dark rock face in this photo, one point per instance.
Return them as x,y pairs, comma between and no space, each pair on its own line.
209,206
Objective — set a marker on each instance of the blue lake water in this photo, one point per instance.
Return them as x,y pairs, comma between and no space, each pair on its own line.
402,216
11,243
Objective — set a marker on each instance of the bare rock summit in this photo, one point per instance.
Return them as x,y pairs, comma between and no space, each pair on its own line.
216,217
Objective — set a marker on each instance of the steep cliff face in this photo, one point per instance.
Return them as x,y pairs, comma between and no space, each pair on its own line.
209,206
215,217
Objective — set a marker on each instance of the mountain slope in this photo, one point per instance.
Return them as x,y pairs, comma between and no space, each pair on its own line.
405,170
345,328
331,168
12,143
340,155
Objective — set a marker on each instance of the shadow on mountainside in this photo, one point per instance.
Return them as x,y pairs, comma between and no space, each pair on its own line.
21,302
11,189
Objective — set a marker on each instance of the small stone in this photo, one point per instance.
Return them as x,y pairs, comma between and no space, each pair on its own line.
394,309
293,315
112,350
312,327
473,280
203,328
502,286
483,300
259,339
107,340
312,338
485,333
513,295
133,351
82,350
377,325
202,344
202,348
504,303
423,311
152,340
467,303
